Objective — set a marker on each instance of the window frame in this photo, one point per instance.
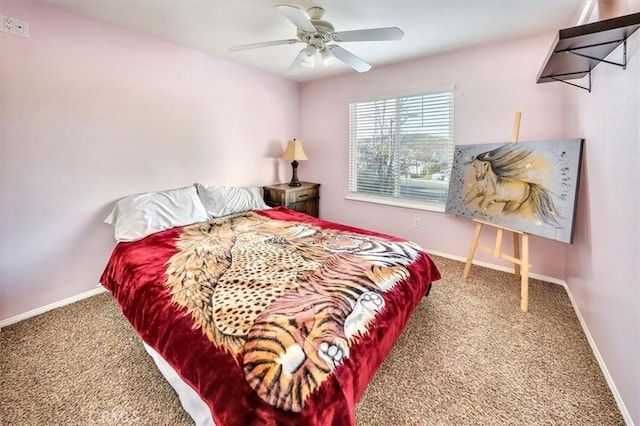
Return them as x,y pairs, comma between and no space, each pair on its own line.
391,200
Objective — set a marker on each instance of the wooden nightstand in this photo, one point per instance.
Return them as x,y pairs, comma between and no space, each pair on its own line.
304,198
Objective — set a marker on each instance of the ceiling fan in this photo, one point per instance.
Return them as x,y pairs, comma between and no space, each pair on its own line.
320,36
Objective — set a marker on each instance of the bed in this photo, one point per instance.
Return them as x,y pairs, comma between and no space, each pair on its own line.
260,315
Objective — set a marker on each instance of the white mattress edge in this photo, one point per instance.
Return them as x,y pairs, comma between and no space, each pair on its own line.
189,398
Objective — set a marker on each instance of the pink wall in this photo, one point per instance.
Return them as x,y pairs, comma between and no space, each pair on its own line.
603,266
90,113
491,83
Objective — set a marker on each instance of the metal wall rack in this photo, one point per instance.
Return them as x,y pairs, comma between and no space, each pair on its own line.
577,50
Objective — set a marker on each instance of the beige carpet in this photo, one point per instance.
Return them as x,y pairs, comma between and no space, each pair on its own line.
467,357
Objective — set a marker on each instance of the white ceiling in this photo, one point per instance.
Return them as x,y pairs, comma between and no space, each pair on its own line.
430,26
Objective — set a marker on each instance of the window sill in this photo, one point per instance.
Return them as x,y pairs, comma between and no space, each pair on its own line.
430,206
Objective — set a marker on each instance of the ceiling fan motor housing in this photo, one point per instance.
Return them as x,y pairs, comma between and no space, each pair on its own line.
324,30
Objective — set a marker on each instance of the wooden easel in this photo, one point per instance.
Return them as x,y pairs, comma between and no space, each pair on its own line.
520,260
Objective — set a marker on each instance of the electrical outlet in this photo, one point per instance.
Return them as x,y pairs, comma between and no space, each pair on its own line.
8,24
14,26
416,222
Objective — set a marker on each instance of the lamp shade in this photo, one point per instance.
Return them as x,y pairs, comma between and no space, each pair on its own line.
294,151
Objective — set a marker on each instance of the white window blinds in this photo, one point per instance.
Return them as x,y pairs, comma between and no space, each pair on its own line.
402,148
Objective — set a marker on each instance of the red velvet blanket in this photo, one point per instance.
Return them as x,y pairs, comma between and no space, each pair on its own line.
273,317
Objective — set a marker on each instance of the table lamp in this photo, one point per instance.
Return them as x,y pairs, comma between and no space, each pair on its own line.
294,153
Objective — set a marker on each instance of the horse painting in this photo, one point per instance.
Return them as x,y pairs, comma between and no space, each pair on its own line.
525,186
491,188
493,184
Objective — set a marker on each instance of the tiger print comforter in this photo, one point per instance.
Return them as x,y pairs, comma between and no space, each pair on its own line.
273,317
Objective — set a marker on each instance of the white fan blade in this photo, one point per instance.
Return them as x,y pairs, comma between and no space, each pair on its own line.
298,17
263,44
372,34
297,63
349,58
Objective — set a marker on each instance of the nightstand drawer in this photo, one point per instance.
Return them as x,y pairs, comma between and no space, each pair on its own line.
274,197
304,194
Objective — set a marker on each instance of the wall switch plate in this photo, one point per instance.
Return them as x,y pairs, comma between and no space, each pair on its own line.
14,26
416,222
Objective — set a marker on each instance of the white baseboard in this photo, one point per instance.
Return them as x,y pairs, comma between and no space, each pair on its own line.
498,267
616,395
41,310
596,353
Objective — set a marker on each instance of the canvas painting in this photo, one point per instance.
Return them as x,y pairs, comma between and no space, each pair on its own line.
526,186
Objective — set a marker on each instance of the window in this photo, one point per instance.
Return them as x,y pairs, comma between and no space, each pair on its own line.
401,150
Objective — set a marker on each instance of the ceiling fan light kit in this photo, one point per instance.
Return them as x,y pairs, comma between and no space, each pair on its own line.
308,56
320,37
327,56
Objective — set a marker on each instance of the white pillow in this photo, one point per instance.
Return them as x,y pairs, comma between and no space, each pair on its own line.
137,216
224,200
